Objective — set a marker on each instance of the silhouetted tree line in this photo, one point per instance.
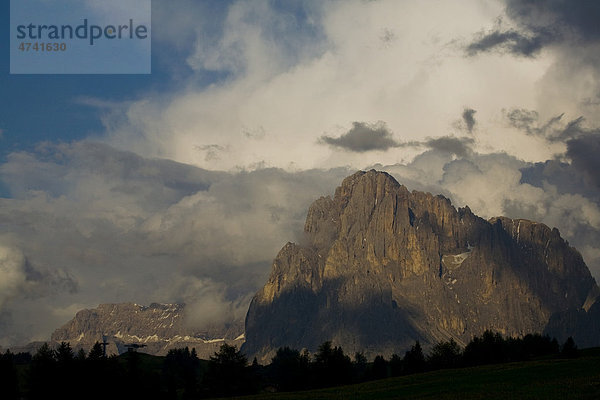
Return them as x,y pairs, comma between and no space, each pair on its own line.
291,369
62,373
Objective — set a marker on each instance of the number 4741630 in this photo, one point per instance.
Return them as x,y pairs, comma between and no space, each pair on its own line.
24,46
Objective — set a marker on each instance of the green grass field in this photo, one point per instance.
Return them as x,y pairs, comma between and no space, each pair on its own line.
544,379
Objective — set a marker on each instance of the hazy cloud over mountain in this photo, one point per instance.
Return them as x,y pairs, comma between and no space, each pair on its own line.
88,224
147,234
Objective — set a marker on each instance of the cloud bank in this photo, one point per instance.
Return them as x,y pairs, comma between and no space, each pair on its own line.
88,224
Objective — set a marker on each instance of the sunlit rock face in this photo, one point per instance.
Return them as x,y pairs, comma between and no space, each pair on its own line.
381,267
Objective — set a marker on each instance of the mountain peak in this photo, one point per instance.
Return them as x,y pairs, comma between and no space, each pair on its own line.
372,181
372,175
383,267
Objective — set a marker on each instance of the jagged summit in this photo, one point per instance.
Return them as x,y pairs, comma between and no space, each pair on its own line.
382,267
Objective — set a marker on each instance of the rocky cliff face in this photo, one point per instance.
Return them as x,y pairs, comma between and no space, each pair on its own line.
159,327
382,267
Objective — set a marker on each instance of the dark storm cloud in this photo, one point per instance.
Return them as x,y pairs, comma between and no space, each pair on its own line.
460,146
570,17
553,130
541,23
562,175
468,116
528,122
510,41
525,120
582,174
364,137
583,152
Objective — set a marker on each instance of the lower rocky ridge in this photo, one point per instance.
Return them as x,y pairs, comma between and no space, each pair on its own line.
153,329
382,267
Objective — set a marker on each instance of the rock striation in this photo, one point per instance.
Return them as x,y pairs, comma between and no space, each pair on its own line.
158,327
381,267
